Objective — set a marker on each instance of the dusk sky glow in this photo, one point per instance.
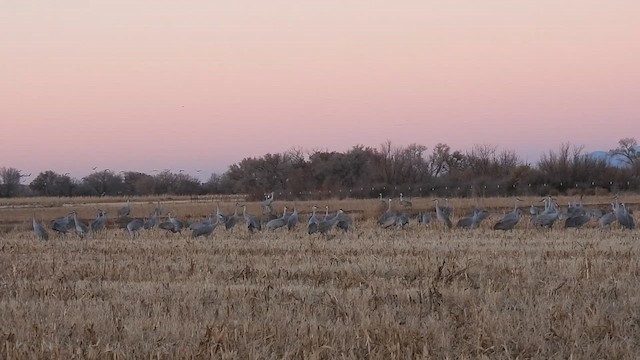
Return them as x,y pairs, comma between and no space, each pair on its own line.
143,85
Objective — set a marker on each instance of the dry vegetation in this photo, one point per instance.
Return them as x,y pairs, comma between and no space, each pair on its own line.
385,294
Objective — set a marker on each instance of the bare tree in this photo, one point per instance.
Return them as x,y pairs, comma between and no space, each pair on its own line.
481,160
627,150
50,183
9,181
439,160
104,182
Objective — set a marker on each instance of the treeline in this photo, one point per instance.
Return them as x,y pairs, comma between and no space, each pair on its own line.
483,170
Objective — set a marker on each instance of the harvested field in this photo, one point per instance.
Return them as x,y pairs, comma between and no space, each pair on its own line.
384,294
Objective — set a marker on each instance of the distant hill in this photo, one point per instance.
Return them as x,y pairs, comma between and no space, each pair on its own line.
612,160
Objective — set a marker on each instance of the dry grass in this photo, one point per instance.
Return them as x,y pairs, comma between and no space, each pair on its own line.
418,292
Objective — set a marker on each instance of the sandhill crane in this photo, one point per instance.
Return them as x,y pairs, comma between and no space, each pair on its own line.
577,221
63,224
628,222
232,220
549,216
292,221
151,222
442,216
81,228
252,222
168,226
534,211
326,213
205,228
405,202
325,225
607,219
279,222
402,219
178,225
221,215
623,216
267,203
312,224
509,220
134,226
482,215
172,224
469,222
447,209
575,209
99,223
424,217
39,230
125,210
387,219
345,222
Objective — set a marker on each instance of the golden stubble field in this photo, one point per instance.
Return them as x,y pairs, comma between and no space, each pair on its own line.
370,293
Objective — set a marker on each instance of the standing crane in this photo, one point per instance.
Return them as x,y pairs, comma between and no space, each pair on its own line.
292,221
81,228
99,223
205,228
325,225
252,222
134,226
312,223
39,230
279,222
442,215
230,221
125,210
607,219
549,216
405,202
63,224
509,220
267,203
387,219
424,217
469,222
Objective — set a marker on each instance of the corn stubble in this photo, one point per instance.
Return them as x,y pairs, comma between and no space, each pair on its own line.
384,294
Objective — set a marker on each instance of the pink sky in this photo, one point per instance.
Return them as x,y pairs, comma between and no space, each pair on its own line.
143,85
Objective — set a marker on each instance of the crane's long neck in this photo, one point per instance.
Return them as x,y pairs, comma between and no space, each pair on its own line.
336,218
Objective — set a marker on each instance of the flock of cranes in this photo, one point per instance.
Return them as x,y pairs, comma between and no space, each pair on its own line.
205,228
575,216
